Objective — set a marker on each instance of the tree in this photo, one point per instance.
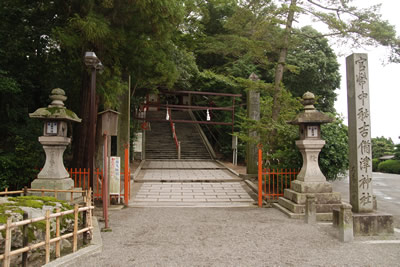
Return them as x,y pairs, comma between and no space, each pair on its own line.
314,68
382,146
357,26
42,44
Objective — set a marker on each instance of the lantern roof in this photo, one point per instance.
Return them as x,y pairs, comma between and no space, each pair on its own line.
310,114
56,110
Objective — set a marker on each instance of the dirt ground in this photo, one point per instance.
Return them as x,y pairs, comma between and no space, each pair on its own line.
230,237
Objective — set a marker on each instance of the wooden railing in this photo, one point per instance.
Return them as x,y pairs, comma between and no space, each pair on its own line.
26,190
272,183
81,179
9,226
177,143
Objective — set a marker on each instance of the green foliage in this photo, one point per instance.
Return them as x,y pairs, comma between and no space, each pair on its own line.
397,152
389,166
382,146
375,163
333,159
316,69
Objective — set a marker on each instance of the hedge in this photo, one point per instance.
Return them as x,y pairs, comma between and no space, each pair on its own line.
375,163
389,166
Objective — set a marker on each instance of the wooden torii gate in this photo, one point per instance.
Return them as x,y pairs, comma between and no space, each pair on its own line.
191,107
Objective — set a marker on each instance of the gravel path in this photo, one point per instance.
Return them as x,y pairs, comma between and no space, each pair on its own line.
229,237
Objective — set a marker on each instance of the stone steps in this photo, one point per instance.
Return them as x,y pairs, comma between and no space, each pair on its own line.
320,216
161,145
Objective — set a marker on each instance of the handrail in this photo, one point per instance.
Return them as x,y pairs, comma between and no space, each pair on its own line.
177,143
86,230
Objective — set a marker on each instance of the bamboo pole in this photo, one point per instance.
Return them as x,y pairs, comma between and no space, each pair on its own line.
7,245
25,241
47,238
75,233
58,243
9,226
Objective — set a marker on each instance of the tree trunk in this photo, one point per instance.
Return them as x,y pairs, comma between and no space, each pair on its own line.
282,61
82,135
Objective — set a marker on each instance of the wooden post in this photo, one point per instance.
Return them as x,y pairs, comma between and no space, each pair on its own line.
126,176
55,193
25,239
42,192
58,243
260,193
75,234
47,238
84,222
72,196
89,204
25,190
6,191
7,245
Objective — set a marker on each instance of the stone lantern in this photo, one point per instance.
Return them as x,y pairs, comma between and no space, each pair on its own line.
310,143
310,180
54,140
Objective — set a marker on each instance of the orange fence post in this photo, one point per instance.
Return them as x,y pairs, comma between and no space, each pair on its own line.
126,175
260,193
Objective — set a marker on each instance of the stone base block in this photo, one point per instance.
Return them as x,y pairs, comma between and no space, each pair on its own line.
320,198
294,201
372,224
292,206
335,217
292,215
60,184
300,208
368,224
311,187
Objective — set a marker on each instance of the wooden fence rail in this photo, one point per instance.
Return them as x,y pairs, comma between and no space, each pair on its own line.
272,183
86,230
43,190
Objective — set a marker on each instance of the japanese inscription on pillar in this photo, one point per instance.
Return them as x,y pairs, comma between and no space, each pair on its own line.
359,133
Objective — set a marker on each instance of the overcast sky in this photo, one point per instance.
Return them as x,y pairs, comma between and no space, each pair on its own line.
384,80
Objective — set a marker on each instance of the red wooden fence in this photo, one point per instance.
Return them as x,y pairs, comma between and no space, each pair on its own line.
272,183
81,179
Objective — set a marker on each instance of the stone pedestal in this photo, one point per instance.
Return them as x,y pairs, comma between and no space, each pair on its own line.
310,181
345,221
368,224
54,175
311,217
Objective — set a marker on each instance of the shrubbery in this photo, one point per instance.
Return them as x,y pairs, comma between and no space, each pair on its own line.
389,166
375,163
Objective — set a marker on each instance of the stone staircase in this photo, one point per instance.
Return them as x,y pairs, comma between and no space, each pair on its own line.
192,146
159,141
161,145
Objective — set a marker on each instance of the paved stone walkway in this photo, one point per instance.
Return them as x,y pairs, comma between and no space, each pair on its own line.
188,183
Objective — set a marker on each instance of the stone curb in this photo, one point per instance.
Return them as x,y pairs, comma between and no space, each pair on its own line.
229,169
80,257
254,188
135,174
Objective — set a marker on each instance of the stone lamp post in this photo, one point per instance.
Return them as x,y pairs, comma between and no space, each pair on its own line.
54,140
310,181
310,144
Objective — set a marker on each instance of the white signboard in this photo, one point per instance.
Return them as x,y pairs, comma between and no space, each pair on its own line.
115,174
312,131
51,127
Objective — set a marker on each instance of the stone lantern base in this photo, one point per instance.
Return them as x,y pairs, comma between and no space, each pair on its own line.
58,184
293,203
54,175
